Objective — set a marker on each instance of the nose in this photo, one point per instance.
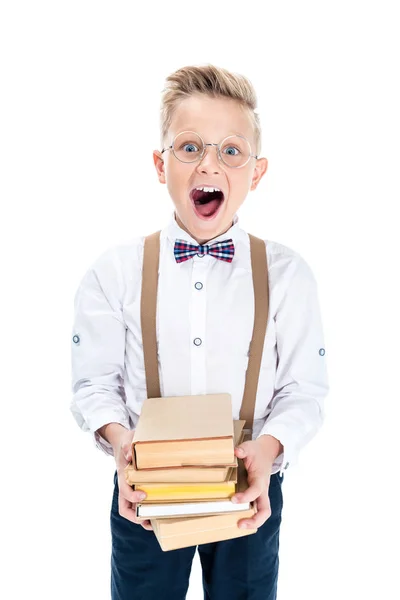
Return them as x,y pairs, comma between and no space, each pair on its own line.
210,160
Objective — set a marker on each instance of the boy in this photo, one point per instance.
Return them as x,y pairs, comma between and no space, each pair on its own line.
209,161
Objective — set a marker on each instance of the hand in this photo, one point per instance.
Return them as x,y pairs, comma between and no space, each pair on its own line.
128,498
258,457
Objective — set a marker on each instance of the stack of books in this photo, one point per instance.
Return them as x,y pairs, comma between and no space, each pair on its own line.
183,459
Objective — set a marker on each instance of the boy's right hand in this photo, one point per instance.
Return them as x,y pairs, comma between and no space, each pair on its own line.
128,498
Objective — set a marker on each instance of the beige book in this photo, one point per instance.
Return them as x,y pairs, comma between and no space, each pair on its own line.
179,431
181,533
186,474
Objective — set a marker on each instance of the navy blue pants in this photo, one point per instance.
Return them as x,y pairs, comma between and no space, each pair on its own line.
239,569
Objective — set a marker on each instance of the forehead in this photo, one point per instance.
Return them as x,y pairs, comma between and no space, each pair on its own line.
211,117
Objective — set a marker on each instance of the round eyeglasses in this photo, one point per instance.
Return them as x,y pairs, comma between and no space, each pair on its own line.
234,151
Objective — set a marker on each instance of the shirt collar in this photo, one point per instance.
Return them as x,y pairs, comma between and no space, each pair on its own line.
173,231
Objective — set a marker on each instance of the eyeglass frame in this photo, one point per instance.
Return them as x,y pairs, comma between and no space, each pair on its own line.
171,147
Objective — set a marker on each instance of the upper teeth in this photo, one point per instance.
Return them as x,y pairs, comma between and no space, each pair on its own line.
208,189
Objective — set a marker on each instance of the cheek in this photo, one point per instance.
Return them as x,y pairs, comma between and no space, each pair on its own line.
239,187
177,177
178,183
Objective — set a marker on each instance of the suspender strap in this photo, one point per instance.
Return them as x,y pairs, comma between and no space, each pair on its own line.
148,308
259,268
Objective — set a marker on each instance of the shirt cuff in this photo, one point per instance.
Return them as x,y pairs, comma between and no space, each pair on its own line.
95,423
288,457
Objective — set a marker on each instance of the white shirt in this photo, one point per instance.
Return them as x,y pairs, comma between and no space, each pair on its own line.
205,314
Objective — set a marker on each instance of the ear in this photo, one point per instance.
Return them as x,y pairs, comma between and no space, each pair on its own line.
159,165
259,171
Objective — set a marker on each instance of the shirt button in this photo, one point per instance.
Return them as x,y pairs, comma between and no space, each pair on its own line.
198,285
286,466
321,351
76,339
197,341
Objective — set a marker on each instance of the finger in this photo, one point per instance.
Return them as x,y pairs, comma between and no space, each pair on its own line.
125,445
240,452
128,493
263,513
127,510
253,491
146,525
244,450
127,450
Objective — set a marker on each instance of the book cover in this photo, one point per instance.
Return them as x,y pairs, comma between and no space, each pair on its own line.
192,531
189,431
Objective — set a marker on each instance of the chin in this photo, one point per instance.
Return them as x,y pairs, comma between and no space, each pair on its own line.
207,229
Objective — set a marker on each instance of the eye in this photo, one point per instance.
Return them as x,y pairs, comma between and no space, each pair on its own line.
190,146
231,150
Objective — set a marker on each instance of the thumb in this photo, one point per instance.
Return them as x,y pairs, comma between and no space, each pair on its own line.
127,452
243,450
126,446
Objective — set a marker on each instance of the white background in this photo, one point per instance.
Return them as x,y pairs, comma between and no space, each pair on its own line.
81,85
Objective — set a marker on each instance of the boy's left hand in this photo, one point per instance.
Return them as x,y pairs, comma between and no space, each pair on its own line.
258,457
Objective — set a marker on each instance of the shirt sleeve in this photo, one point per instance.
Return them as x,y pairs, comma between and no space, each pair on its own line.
98,350
301,381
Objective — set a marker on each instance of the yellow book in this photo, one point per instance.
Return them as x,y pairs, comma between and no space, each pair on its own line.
188,491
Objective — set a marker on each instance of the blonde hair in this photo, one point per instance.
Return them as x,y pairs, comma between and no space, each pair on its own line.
214,82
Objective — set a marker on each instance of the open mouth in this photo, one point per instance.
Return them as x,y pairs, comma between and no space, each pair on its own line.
207,203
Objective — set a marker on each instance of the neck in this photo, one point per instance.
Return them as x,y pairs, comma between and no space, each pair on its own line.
200,240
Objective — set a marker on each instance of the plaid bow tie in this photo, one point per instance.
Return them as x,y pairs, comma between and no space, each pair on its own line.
223,250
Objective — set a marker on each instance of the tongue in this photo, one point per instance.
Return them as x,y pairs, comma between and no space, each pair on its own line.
206,210
206,203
